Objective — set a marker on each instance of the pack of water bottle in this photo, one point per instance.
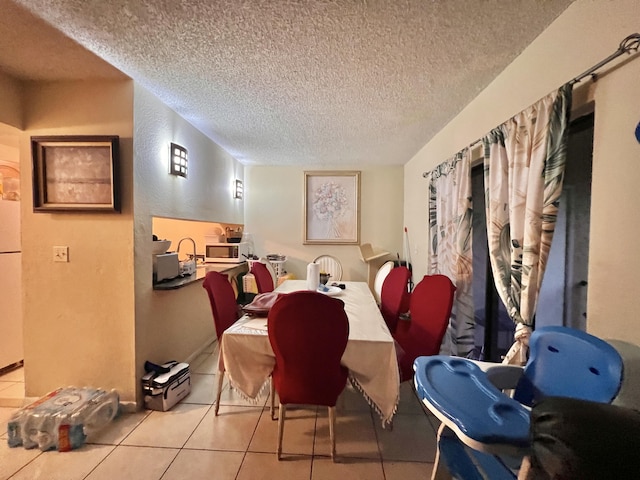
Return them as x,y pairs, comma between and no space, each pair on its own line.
63,419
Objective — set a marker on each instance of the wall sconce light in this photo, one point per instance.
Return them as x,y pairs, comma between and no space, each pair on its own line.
178,160
239,191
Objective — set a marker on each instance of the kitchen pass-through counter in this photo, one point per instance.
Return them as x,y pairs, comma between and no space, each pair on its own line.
230,269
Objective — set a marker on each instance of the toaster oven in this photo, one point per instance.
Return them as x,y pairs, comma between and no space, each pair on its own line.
165,266
226,252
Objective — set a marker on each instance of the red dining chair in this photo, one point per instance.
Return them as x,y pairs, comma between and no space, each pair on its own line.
430,307
223,301
264,280
394,296
308,332
224,308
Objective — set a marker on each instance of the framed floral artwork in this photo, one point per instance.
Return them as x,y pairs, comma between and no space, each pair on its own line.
332,208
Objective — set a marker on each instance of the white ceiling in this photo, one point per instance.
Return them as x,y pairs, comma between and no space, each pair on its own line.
286,82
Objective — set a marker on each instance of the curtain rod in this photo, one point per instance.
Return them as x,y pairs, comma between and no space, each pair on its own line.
628,45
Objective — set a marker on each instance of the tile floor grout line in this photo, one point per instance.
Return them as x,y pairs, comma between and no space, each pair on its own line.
170,463
313,445
134,428
255,429
120,444
199,422
244,455
24,466
100,462
373,416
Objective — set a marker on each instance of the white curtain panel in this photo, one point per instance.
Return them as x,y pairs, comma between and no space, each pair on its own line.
449,252
524,160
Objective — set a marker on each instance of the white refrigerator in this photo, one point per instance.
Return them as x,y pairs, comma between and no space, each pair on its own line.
11,340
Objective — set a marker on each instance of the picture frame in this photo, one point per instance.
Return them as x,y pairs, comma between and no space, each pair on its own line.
331,208
78,173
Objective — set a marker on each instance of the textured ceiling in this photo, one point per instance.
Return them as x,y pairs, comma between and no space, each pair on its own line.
285,82
31,49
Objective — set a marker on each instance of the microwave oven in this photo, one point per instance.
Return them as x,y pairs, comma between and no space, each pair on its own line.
226,252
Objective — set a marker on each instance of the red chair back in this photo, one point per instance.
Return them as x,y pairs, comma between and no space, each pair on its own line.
394,296
308,332
223,301
264,281
430,307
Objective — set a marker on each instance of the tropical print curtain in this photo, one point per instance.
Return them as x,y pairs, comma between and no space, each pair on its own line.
524,161
449,253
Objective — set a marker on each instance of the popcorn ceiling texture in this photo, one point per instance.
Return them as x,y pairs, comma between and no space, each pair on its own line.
323,82
30,49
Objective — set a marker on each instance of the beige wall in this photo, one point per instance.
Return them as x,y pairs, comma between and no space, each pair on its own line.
176,324
274,199
11,101
95,320
78,316
83,323
206,193
615,223
587,32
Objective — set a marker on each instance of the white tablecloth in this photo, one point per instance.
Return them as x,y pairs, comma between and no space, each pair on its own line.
370,356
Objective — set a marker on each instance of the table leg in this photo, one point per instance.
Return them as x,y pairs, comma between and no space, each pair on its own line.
220,379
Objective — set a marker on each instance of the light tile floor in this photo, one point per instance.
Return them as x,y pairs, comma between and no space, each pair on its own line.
12,388
189,442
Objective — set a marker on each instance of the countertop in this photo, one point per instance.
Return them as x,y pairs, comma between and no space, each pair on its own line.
201,272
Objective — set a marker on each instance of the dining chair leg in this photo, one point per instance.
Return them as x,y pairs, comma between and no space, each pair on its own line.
281,415
220,379
440,471
273,399
332,431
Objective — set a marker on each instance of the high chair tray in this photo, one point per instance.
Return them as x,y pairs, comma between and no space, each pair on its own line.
458,392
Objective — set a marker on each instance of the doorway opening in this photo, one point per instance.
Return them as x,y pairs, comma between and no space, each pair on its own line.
11,321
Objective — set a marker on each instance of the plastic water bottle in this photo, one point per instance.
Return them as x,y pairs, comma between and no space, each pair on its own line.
14,429
92,417
62,419
101,411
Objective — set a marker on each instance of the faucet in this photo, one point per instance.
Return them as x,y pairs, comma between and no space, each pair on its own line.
194,257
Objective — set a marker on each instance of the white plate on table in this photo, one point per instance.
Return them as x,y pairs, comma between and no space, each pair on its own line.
331,291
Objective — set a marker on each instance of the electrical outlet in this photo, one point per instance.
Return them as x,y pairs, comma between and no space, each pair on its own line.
60,254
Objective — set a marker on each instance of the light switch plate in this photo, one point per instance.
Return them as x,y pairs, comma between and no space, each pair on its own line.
60,254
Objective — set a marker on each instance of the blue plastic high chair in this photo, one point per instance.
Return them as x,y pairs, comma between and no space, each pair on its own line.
485,432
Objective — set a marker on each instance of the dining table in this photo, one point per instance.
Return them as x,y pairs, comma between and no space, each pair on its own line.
247,358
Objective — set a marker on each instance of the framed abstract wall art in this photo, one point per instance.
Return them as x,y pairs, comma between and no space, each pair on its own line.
75,173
